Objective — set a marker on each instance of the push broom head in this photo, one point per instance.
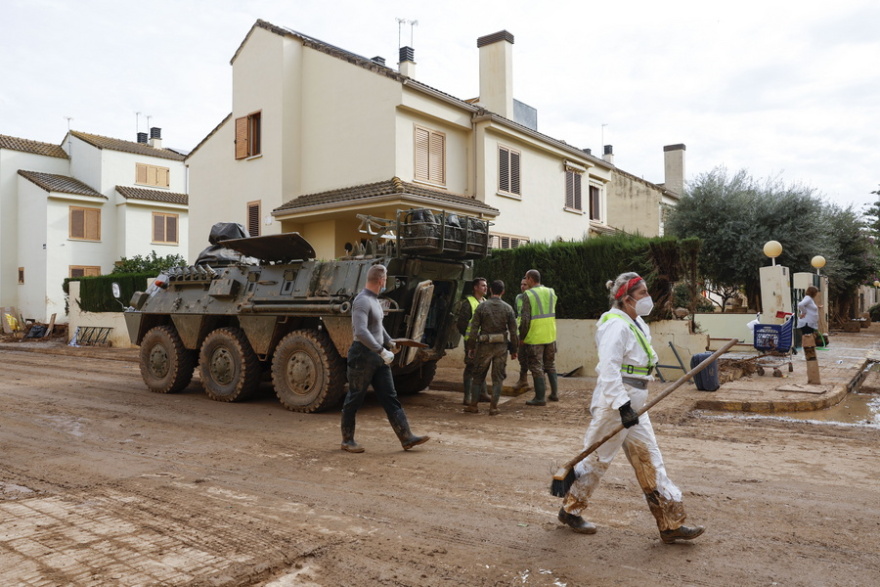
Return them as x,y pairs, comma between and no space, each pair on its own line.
562,481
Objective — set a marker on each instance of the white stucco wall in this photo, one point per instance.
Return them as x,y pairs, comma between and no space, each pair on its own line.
135,229
10,163
118,337
542,179
64,251
348,124
576,347
29,251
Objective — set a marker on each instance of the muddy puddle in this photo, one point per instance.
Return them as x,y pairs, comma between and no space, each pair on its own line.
856,409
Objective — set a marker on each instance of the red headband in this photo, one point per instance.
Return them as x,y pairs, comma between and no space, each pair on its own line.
625,288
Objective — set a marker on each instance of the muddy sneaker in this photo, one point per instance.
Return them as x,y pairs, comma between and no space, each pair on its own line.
576,523
494,411
681,533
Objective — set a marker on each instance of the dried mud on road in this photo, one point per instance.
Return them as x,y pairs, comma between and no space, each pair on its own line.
105,483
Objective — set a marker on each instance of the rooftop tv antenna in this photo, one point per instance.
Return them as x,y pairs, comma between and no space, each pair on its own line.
400,23
137,122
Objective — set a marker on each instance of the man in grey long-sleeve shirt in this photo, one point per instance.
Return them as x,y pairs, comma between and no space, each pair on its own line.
369,360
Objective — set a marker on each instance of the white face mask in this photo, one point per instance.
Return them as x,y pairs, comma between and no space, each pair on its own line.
644,306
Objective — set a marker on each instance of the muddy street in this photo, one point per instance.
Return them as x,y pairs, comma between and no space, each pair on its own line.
105,483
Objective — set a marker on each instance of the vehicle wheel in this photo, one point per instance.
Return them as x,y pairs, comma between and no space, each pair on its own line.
307,372
229,368
417,380
760,370
166,365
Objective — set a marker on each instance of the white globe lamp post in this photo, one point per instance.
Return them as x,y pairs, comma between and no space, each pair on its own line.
772,249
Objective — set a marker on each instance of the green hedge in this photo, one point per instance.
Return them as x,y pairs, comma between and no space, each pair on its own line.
96,293
579,270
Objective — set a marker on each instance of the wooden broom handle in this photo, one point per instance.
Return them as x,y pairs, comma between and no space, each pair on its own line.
653,402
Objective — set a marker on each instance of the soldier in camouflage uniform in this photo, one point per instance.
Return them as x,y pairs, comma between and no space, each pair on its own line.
492,332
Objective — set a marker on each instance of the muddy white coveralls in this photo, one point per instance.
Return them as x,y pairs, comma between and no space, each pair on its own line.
623,375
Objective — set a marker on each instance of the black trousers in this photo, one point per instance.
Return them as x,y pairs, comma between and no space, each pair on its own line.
366,368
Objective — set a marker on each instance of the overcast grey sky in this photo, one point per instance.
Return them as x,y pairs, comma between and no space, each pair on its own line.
784,89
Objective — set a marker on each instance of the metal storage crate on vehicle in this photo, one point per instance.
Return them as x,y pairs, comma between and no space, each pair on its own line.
423,232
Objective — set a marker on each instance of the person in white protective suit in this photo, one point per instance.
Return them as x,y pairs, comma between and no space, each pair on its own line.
626,360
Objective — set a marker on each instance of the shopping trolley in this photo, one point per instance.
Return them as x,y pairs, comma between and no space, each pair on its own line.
776,342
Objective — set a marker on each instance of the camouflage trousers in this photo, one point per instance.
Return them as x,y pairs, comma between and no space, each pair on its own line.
540,358
490,354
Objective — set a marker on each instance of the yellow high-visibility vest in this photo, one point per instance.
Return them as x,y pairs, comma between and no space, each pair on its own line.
542,327
643,341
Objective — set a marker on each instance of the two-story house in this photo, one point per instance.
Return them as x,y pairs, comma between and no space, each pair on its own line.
318,134
74,209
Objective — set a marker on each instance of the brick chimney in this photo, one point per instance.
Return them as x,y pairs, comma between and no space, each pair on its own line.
496,73
407,64
609,154
673,164
156,137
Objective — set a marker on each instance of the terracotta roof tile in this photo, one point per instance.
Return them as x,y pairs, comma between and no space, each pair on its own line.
131,193
126,146
393,186
52,182
35,147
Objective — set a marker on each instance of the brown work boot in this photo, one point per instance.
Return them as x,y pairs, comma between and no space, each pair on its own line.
576,523
471,409
681,533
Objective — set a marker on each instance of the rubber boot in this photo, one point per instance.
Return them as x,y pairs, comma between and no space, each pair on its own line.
471,398
540,390
481,393
348,443
401,428
467,391
496,395
523,382
554,387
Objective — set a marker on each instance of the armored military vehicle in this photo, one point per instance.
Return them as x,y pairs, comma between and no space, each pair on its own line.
250,306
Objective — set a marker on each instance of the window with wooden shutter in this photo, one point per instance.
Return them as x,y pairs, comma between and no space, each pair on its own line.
253,218
85,223
248,135
595,204
165,228
430,156
504,241
152,175
508,171
84,271
573,190
241,137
